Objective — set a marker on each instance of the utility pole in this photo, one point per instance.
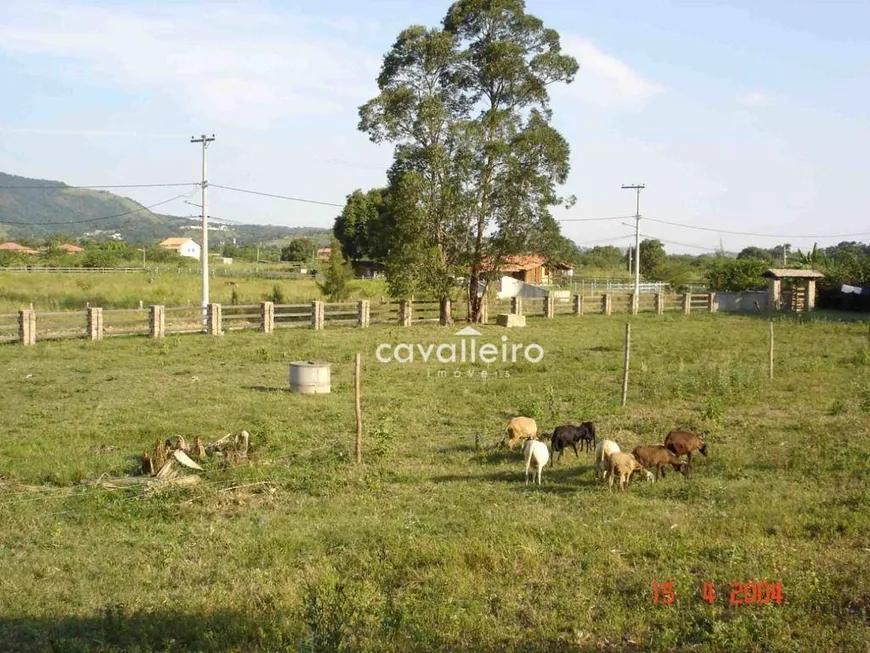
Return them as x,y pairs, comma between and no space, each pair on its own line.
636,301
205,140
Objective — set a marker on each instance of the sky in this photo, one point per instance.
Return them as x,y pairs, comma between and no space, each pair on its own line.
749,117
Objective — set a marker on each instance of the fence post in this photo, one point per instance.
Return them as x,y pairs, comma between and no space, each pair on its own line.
517,305
687,303
607,303
770,351
635,303
578,305
711,302
214,320
626,362
267,317
95,323
363,313
358,407
483,315
317,315
405,315
27,327
549,306
659,299
156,321
446,317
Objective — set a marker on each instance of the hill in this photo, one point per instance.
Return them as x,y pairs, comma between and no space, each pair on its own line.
39,208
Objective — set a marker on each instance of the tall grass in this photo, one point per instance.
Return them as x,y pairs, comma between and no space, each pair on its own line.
59,292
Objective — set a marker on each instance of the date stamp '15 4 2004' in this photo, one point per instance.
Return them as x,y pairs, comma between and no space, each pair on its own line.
745,593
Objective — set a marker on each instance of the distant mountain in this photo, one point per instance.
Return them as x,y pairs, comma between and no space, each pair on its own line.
38,208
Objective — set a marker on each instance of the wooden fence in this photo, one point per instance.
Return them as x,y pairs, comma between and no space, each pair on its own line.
159,321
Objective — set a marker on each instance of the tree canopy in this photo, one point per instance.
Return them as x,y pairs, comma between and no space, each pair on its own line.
476,160
299,249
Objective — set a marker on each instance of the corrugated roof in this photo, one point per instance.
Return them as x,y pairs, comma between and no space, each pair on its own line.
775,273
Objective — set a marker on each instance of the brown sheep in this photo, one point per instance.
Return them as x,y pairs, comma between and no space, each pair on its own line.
623,464
519,428
683,443
659,457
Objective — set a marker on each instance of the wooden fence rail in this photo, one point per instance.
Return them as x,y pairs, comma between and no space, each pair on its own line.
95,323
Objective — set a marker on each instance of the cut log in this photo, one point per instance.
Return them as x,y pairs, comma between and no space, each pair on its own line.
184,459
159,454
242,440
167,470
147,464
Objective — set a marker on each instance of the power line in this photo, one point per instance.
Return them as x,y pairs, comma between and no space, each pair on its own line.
106,217
757,235
95,186
615,217
673,242
280,197
604,240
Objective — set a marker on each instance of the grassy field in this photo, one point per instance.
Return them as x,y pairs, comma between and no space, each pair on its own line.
435,543
58,292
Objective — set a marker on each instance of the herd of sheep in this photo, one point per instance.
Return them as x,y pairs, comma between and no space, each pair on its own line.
609,460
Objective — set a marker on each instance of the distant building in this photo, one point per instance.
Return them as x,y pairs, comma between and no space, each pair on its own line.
532,269
323,253
368,269
16,248
184,246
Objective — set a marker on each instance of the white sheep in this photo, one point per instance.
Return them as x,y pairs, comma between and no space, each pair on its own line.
603,451
537,455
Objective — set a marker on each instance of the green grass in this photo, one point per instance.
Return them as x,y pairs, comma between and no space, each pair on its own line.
58,292
435,543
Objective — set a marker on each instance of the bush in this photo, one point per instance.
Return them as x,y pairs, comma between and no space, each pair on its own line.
338,275
736,275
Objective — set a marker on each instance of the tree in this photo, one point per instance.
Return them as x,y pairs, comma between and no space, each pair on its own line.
652,257
675,272
779,252
476,160
362,227
756,253
337,276
736,274
605,257
813,258
299,249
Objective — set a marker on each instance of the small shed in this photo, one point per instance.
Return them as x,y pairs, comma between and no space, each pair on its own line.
803,295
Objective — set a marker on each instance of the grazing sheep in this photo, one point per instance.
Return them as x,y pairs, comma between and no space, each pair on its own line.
569,436
659,457
517,429
684,443
623,464
537,455
603,451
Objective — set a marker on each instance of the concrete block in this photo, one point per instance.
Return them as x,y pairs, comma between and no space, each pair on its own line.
511,320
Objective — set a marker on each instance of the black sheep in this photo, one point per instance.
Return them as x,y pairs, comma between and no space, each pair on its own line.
569,436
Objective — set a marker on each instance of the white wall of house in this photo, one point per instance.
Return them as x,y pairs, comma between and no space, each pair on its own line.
191,249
